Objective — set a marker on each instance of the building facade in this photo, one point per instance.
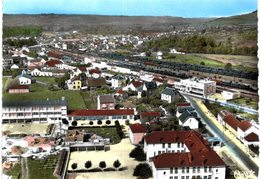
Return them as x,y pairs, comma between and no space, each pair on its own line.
34,111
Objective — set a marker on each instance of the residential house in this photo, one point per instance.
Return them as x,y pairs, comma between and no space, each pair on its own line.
169,95
182,154
74,83
150,116
136,133
52,64
95,82
133,86
14,67
94,73
182,107
24,79
37,72
149,88
105,102
229,121
248,133
117,81
189,119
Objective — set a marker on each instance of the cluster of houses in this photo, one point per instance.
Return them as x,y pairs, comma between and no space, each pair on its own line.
245,131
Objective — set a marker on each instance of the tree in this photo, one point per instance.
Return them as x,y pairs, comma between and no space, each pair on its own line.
102,165
91,123
143,170
88,164
138,154
74,166
117,164
65,121
99,122
202,63
228,66
74,123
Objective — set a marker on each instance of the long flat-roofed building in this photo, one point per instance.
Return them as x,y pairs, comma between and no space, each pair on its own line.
34,111
198,87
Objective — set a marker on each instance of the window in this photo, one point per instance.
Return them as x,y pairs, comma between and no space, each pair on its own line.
183,170
169,145
198,169
171,177
19,114
194,169
175,177
176,170
178,144
182,177
187,177
171,170
216,170
163,145
209,177
205,177
210,169
159,152
216,177
205,169
187,169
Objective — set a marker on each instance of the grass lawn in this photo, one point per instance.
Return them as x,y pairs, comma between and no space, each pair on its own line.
5,81
36,87
42,168
15,171
253,103
74,98
49,80
88,99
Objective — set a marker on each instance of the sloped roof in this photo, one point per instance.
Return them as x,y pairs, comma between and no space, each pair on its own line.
96,82
151,85
106,99
244,125
186,115
34,103
150,114
53,63
169,91
19,87
137,84
95,112
231,121
138,128
252,137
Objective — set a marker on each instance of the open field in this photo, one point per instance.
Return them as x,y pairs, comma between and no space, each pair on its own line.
119,151
253,103
30,128
235,60
48,80
15,172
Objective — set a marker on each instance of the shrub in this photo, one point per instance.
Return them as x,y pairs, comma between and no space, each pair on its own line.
108,122
74,166
143,170
117,164
91,123
74,123
102,165
138,154
99,122
88,164
127,122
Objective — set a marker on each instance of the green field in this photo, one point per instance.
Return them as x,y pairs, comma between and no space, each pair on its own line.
42,169
48,80
253,103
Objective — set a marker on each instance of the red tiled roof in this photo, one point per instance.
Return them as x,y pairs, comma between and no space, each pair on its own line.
20,87
252,137
171,160
150,114
159,80
55,54
182,104
138,128
231,121
101,112
82,68
92,71
244,125
53,63
200,152
120,91
137,84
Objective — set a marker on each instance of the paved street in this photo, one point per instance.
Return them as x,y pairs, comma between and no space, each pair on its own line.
234,146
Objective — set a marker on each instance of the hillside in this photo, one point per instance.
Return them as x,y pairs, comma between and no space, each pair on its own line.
245,19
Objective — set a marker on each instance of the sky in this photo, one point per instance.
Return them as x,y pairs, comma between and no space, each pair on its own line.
181,8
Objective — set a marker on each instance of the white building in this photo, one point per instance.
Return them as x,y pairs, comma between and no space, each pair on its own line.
196,87
182,154
117,81
248,133
34,111
230,94
189,119
37,72
24,79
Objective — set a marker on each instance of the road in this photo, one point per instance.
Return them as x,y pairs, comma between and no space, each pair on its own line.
241,157
25,169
